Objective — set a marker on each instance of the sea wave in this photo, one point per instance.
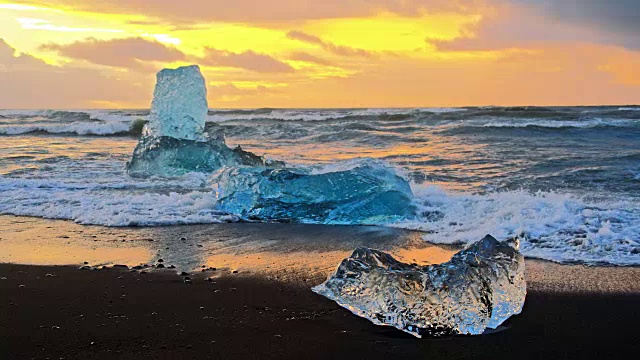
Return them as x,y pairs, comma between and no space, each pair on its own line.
125,202
560,227
78,128
323,114
544,124
127,122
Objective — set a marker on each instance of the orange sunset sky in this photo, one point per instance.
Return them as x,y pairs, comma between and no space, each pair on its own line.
329,53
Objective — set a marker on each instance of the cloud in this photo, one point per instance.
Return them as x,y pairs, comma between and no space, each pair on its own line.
129,53
615,15
28,82
12,62
198,11
306,57
229,93
532,24
330,47
248,60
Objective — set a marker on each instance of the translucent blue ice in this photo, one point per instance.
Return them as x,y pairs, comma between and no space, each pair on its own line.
364,192
479,288
174,141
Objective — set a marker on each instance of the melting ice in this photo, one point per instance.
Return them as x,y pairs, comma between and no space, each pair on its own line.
174,141
479,288
366,193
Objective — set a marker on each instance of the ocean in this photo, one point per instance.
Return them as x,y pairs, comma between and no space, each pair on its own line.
566,180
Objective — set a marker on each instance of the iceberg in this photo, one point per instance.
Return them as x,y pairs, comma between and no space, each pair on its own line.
175,142
479,288
365,193
179,107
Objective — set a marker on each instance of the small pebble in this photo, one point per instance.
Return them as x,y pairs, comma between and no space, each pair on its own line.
160,266
183,239
160,260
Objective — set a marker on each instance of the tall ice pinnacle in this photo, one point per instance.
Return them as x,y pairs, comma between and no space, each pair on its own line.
179,108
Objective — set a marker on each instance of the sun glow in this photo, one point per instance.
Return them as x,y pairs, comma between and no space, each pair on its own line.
437,56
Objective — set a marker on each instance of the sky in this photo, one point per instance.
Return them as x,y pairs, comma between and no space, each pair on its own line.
315,54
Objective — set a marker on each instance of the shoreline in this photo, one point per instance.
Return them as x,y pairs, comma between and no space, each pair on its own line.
62,312
258,302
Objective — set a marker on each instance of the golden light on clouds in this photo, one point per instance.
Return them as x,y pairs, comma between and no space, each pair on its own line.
371,54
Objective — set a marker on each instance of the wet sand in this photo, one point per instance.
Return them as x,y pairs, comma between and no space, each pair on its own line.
266,309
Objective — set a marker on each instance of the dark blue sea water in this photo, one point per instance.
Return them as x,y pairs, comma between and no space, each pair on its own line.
566,179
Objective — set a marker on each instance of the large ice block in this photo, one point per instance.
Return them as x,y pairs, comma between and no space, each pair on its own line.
366,193
179,107
175,142
479,288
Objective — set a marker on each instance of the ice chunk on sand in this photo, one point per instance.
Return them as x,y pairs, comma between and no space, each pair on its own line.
479,288
175,142
179,108
367,193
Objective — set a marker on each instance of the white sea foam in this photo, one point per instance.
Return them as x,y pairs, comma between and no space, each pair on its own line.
629,109
99,122
554,226
79,128
552,124
319,114
121,203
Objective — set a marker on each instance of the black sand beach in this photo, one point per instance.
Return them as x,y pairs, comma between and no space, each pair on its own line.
115,314
258,302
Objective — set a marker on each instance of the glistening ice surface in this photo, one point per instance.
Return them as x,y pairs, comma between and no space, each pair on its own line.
174,141
479,288
366,192
566,177
179,107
